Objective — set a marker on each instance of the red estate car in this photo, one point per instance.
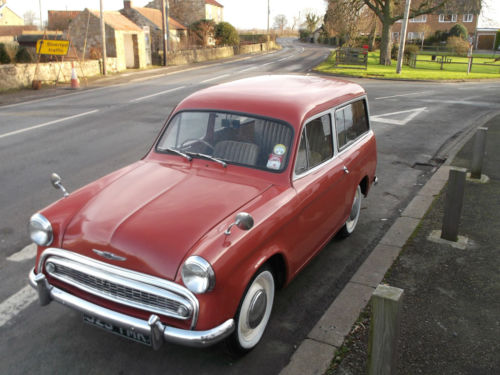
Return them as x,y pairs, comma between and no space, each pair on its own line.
246,182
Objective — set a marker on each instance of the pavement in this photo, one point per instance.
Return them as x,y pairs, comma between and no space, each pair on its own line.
450,320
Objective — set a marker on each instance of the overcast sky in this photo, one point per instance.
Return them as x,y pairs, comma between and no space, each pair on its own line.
244,14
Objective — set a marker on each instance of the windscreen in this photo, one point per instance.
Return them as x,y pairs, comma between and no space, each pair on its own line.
233,138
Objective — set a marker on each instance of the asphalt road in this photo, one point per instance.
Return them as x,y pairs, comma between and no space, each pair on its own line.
87,134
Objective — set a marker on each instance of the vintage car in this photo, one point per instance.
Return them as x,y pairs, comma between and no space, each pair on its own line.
245,183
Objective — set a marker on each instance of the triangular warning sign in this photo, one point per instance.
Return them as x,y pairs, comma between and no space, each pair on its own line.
398,118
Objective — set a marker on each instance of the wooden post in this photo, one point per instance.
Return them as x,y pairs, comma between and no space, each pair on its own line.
478,153
384,330
453,204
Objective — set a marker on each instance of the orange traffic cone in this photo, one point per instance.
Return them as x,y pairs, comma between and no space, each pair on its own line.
75,84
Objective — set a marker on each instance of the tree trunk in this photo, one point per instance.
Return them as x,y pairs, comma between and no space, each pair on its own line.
373,35
386,43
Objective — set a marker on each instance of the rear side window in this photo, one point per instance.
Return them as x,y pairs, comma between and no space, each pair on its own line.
316,144
351,122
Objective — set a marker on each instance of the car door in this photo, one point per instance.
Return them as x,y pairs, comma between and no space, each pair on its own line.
351,124
319,181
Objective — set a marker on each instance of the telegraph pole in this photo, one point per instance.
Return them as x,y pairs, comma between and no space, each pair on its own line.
164,23
40,7
268,14
103,42
403,37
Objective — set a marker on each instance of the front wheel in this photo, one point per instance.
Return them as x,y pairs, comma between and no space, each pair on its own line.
352,221
254,312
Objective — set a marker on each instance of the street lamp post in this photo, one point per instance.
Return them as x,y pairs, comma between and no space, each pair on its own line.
403,37
103,41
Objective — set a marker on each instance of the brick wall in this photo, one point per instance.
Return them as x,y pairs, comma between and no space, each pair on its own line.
432,25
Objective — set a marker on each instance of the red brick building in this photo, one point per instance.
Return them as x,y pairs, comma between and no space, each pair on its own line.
427,24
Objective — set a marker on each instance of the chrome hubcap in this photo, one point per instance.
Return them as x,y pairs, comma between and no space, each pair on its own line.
354,215
257,309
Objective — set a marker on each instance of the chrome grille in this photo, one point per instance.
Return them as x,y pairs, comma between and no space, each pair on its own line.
117,290
121,286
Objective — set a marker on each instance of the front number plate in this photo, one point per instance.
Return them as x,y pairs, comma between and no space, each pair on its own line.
124,332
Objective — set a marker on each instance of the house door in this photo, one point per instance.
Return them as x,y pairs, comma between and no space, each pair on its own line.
486,42
129,51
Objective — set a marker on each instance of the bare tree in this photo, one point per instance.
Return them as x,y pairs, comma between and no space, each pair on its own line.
390,11
343,18
29,17
311,21
280,22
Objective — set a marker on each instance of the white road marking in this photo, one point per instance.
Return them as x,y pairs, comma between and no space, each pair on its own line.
29,252
247,69
411,93
284,58
47,124
215,78
412,114
269,63
16,303
158,93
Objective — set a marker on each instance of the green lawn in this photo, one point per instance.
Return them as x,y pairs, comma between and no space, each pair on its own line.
427,69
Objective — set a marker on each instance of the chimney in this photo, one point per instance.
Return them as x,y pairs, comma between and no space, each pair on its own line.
127,4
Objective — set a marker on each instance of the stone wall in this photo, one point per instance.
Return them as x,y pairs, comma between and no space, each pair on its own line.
14,76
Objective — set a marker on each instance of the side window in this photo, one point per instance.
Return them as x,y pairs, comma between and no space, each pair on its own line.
316,144
351,122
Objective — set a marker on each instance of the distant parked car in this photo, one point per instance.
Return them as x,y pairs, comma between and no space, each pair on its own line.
245,183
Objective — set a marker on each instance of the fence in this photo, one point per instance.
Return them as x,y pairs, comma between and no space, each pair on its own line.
454,63
351,56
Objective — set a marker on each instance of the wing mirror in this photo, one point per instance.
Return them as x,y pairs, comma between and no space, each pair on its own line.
243,220
55,179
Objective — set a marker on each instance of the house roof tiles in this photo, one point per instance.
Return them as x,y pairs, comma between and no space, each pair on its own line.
154,15
117,21
215,3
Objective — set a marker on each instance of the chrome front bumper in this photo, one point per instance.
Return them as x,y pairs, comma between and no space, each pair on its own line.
158,332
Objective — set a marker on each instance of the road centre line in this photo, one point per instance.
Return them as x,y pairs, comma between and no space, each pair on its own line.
29,252
215,78
247,69
396,96
158,93
16,303
47,124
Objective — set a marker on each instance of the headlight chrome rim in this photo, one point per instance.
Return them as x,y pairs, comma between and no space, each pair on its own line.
197,275
40,230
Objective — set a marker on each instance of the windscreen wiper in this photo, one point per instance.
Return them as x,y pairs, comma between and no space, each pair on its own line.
175,151
220,161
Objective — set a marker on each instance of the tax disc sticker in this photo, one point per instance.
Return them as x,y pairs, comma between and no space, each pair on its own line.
279,149
274,162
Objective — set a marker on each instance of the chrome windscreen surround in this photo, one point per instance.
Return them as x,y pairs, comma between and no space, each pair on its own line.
119,285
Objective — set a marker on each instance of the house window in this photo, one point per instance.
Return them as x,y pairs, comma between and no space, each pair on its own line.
420,19
447,18
412,35
468,17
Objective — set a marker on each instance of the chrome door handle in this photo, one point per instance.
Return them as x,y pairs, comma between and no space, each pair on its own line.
346,170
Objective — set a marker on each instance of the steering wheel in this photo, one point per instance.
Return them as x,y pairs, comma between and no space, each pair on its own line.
191,141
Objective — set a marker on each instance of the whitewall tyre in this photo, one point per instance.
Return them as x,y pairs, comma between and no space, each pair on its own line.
353,218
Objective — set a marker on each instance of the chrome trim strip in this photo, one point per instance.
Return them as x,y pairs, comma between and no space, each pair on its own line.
128,274
169,334
120,281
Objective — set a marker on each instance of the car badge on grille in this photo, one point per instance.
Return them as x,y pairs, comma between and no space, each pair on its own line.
108,255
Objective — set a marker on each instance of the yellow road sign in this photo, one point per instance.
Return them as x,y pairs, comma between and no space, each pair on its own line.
52,47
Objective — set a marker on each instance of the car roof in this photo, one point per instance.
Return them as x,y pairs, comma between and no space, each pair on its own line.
292,98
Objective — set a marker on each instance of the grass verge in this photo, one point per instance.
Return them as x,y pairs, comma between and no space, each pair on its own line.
426,70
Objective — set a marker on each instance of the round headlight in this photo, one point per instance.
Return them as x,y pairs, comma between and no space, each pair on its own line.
40,230
198,275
